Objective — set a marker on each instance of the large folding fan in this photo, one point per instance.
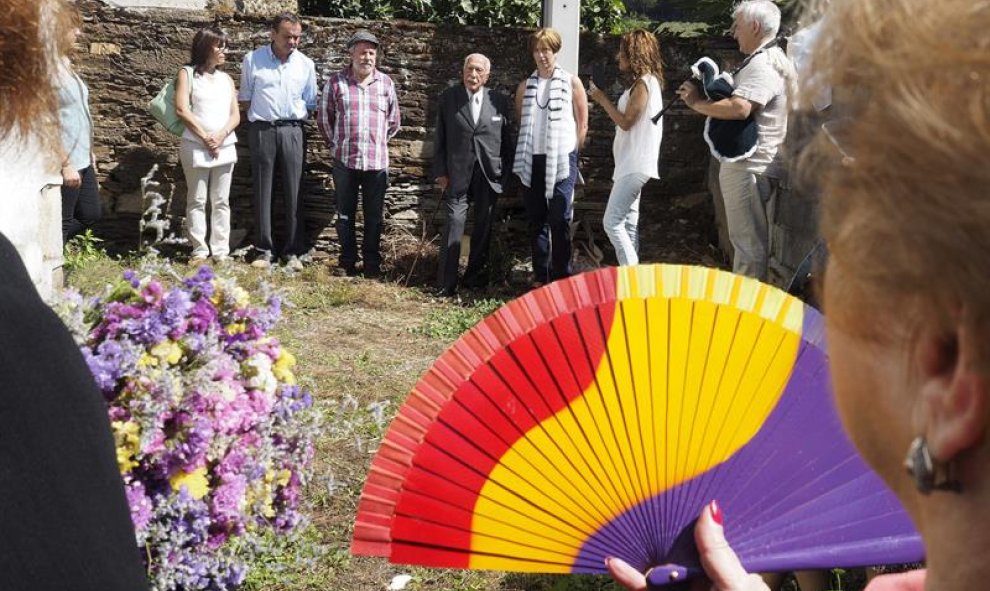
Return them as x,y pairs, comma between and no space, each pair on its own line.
596,417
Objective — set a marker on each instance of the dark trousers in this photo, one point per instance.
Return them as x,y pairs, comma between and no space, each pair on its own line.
550,221
283,146
372,184
81,207
481,196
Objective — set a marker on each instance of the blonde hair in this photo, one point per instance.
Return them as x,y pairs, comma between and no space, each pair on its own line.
908,213
548,38
33,39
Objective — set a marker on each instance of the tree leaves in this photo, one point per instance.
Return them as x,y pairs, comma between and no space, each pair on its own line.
599,16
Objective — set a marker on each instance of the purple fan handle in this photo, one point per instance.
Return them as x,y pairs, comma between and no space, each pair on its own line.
668,576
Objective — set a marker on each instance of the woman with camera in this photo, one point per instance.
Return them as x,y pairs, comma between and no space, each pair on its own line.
636,148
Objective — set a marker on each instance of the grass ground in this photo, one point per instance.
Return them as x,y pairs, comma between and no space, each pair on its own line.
361,345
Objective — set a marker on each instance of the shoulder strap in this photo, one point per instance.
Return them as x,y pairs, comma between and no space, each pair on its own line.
773,43
190,75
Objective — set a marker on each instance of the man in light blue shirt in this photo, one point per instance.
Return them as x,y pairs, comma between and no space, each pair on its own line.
278,91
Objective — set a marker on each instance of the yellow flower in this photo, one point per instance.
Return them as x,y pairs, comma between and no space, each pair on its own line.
236,328
241,297
195,482
147,360
259,497
127,439
169,351
283,367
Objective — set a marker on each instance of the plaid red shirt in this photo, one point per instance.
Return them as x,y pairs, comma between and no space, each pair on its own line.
357,121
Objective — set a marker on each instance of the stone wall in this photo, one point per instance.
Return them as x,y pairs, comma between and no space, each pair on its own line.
131,52
247,7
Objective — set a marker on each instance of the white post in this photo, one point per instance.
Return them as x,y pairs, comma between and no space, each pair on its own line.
565,17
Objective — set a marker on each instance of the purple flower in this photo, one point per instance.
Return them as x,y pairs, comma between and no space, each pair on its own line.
188,369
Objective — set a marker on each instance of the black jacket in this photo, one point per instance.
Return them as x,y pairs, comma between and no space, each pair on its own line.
64,518
459,143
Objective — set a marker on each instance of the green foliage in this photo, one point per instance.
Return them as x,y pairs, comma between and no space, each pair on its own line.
682,30
717,13
837,575
82,249
448,323
600,16
369,9
631,22
298,560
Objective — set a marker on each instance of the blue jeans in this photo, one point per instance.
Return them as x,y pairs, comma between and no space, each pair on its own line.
372,183
550,221
621,218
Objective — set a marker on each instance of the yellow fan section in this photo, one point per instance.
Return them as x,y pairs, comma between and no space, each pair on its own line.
696,361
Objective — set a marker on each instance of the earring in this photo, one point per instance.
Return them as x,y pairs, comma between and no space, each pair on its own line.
928,473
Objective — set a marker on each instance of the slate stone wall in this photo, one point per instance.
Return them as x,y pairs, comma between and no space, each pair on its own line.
128,54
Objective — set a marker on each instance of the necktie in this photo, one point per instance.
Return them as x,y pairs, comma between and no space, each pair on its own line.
476,107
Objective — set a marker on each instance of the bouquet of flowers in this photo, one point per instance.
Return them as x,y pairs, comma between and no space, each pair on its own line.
214,437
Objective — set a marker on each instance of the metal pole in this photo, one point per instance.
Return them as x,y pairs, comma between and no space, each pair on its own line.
565,17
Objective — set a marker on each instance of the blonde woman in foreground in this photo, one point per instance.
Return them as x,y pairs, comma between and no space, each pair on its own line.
906,216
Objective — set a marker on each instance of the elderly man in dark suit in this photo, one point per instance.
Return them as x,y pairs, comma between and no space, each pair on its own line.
472,149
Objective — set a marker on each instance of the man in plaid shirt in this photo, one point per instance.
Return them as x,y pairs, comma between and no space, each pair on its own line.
357,114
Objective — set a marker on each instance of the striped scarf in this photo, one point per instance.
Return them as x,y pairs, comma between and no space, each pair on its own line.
558,107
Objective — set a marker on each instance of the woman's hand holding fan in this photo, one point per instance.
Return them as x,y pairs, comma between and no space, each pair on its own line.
722,567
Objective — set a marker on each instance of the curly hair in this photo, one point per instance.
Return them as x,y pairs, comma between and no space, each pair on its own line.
907,211
33,38
642,51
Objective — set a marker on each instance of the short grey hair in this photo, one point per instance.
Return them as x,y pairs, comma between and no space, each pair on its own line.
484,60
762,12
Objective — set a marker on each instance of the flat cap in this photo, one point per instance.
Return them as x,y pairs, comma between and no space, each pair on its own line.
362,35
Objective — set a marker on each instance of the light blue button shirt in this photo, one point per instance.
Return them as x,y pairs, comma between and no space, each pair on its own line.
277,90
74,115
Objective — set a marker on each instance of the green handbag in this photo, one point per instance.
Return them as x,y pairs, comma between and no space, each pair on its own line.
162,107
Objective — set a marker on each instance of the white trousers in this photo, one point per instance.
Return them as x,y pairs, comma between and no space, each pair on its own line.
747,197
621,218
202,183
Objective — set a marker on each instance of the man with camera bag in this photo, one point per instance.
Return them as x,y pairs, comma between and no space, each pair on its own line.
761,88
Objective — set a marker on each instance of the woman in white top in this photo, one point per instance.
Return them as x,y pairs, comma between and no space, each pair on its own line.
636,148
207,103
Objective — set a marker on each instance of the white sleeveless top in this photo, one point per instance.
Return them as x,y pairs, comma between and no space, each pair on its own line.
638,149
210,102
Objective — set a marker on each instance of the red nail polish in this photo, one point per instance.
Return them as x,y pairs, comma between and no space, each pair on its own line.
716,512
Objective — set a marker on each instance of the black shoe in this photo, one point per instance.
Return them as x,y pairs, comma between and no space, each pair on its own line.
344,271
445,292
475,282
372,273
